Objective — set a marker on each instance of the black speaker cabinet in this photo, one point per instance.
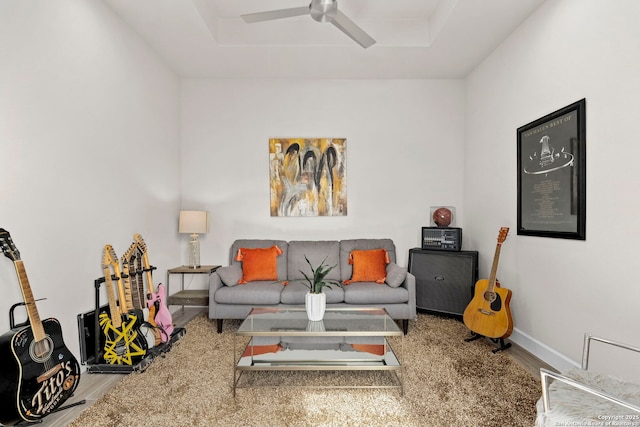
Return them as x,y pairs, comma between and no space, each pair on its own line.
444,280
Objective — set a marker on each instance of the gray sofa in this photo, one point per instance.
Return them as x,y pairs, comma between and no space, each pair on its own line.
229,300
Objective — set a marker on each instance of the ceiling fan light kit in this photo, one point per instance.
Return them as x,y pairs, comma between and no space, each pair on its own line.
320,11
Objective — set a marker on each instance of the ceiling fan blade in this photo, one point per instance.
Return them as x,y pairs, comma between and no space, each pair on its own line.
348,27
250,18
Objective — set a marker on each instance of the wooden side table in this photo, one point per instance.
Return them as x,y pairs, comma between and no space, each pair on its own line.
193,297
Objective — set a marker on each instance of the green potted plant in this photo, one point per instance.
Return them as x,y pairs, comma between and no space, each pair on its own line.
315,300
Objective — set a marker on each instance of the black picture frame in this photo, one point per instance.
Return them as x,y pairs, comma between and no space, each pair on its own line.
552,174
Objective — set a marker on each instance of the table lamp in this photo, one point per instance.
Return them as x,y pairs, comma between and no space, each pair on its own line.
194,223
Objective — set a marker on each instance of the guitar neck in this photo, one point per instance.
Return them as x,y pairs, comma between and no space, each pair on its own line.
147,269
29,301
111,297
124,291
494,268
140,282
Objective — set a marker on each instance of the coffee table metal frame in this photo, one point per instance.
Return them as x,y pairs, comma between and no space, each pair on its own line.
338,322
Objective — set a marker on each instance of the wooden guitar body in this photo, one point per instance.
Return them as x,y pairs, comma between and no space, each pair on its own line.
488,314
36,377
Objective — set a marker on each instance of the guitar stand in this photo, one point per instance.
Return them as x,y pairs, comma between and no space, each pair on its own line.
502,346
95,363
12,322
71,405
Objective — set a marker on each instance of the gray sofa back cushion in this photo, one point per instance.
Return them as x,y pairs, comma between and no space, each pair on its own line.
315,251
260,243
346,246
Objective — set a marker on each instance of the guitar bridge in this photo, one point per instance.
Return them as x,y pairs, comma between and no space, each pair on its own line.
51,372
486,312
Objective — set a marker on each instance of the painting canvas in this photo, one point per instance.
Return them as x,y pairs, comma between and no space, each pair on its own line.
308,176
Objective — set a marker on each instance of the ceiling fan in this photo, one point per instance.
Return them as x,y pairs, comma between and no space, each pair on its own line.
321,11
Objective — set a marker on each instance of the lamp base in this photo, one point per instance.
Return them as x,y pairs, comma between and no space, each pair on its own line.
194,252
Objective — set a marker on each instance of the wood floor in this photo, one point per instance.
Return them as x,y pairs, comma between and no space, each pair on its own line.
93,386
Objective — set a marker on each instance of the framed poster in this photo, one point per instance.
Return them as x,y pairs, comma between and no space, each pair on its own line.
552,174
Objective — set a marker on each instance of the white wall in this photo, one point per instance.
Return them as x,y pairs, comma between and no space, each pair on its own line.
404,154
89,142
568,50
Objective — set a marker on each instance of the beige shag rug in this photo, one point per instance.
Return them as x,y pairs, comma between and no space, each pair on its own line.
447,382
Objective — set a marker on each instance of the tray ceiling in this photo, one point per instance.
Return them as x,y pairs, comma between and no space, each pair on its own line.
414,38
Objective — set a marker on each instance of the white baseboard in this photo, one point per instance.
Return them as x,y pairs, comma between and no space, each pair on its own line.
542,351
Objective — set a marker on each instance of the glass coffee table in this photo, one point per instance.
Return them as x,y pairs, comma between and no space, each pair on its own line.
347,339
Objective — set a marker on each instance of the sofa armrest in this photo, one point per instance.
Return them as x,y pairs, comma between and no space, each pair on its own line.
215,283
410,284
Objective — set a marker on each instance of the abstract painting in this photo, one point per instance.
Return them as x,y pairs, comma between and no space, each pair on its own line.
308,176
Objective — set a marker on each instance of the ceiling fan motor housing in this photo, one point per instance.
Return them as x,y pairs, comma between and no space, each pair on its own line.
323,10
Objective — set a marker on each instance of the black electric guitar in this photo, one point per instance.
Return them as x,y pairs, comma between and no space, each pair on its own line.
137,307
123,343
38,373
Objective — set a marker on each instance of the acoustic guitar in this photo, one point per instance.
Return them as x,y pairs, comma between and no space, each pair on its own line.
156,301
38,373
123,345
488,313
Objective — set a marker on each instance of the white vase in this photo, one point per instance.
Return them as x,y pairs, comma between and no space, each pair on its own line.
315,305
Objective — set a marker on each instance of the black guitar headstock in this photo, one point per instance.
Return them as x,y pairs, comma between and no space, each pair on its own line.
8,247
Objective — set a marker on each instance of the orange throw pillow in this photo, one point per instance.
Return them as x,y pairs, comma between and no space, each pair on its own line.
368,266
258,263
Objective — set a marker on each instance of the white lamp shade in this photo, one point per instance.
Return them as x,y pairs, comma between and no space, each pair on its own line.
193,222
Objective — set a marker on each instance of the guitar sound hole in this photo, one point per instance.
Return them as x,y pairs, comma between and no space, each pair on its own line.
490,296
40,351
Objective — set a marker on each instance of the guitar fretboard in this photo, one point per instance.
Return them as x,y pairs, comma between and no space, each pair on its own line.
29,301
494,268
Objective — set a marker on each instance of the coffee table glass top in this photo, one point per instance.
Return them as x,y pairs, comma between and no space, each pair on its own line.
275,321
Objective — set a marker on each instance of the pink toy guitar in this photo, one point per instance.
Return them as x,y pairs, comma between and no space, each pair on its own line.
156,301
163,315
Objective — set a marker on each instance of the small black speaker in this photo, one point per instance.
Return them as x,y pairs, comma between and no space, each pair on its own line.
444,280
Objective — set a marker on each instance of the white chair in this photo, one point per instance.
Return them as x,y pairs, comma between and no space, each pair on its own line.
586,397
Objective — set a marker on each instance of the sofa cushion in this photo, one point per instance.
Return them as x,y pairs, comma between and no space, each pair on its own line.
395,275
281,261
374,293
368,266
316,252
295,291
347,246
259,263
230,275
258,293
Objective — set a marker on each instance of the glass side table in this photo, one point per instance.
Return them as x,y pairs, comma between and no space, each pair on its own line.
191,297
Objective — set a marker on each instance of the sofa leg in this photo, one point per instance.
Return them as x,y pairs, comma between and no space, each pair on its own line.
405,326
219,321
